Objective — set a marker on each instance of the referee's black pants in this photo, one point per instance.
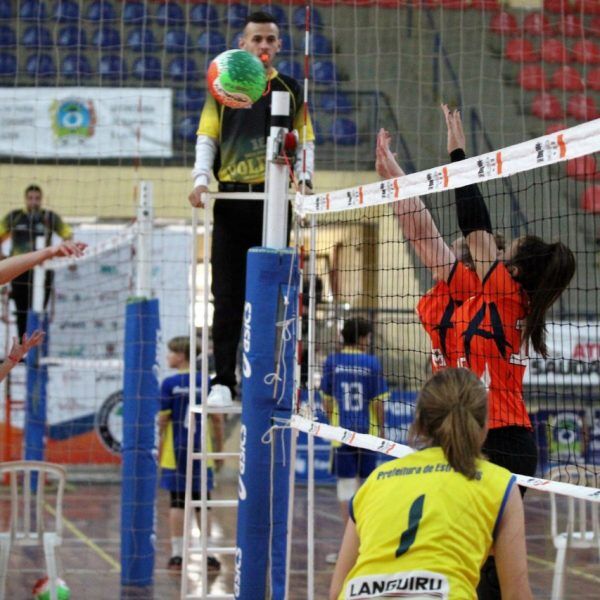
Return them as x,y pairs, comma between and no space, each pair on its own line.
237,227
21,292
513,448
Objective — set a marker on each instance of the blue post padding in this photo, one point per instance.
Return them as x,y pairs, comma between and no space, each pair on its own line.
140,410
264,467
37,384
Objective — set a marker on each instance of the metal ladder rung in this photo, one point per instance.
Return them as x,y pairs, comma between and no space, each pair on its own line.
214,549
217,455
215,503
234,409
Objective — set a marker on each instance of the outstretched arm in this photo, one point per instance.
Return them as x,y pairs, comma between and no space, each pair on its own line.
471,211
18,350
416,221
15,265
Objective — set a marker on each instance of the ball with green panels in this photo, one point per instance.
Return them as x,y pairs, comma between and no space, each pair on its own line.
236,78
41,589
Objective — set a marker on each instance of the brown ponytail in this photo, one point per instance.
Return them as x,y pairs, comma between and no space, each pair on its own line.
452,413
544,271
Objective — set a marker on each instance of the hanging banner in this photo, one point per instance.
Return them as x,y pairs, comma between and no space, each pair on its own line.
86,122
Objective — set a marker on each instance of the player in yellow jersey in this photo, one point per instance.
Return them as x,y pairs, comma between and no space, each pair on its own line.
421,526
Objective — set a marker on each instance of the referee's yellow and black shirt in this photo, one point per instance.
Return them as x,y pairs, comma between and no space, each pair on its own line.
242,133
424,529
24,226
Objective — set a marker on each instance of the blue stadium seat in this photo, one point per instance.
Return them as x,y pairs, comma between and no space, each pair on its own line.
324,71
36,36
76,66
287,46
335,102
235,42
320,44
190,99
291,68
182,69
112,66
176,41
236,16
147,68
8,64
107,38
187,128
66,11
279,14
299,18
101,11
204,15
40,65
6,9
211,42
134,13
318,131
33,10
71,36
170,13
8,37
141,40
344,132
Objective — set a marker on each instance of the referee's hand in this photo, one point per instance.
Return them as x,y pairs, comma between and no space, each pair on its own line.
196,198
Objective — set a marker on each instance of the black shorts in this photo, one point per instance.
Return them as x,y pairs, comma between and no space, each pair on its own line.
178,498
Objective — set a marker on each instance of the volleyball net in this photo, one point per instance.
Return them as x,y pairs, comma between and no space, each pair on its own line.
361,266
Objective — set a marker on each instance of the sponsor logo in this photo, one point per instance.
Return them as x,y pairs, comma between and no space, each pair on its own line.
437,358
490,166
242,494
109,422
238,572
246,340
354,197
388,189
410,584
73,120
437,179
548,150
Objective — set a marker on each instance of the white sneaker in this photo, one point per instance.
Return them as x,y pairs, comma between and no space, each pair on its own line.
331,559
220,395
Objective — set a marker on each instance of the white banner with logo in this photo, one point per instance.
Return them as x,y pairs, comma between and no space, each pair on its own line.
573,356
86,122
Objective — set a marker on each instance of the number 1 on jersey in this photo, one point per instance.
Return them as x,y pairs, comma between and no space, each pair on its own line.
407,539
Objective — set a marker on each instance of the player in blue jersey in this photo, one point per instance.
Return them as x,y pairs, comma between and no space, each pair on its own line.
354,390
173,424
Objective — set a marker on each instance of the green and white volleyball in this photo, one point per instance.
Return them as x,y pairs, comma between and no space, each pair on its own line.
236,78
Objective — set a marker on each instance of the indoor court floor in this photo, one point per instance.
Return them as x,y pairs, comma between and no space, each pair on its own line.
90,550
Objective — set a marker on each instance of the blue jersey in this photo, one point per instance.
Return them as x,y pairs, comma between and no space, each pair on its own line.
355,381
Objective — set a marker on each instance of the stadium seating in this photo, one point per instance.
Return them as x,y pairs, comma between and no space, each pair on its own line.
537,24
287,45
141,40
583,167
134,13
71,36
147,68
593,27
182,69
299,18
8,65
324,72
190,99
504,23
170,13
592,79
8,38
586,52
291,68
101,11
555,127
212,42
33,10
40,65
587,7
235,16
75,66
546,106
344,132
335,102
582,107
204,15
281,16
554,51
36,36
559,7
320,45
107,38
532,78
66,11
520,50
176,41
485,5
187,128
568,79
590,199
112,66
570,26
6,9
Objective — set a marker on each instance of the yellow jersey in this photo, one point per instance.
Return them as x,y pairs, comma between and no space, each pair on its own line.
424,529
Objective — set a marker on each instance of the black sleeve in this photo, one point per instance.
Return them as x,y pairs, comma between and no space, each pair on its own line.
471,211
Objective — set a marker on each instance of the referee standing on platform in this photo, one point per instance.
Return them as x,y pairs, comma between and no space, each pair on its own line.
232,142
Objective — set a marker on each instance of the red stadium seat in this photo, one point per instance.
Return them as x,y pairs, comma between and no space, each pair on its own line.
582,107
485,5
520,50
559,7
570,26
586,52
554,51
568,79
453,4
590,199
546,106
583,167
537,23
587,7
504,23
532,78
593,28
593,79
555,127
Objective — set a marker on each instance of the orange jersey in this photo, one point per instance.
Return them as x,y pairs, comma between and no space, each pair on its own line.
488,330
436,311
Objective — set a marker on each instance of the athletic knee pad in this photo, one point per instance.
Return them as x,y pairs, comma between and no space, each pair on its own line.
346,488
